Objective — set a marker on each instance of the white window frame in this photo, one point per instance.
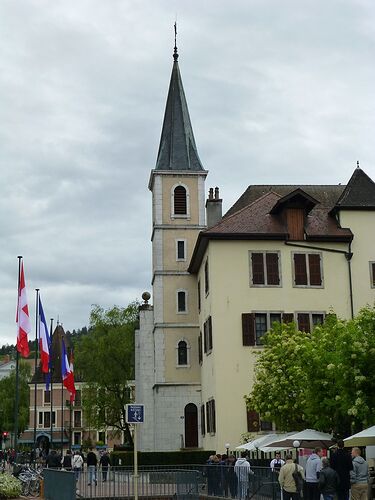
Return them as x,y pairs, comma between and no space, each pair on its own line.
265,285
310,313
307,270
180,216
183,339
184,241
186,301
268,320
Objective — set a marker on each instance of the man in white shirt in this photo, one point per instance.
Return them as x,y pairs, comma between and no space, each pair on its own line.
277,462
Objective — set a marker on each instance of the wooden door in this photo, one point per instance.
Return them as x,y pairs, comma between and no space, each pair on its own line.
191,426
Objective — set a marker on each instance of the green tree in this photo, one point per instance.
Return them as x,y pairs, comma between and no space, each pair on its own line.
104,359
7,391
322,380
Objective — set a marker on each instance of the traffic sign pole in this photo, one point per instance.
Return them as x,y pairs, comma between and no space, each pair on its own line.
135,449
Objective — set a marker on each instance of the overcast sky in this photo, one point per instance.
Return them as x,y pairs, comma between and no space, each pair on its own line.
278,92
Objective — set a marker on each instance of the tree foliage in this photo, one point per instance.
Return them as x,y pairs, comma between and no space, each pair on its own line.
104,359
324,380
7,398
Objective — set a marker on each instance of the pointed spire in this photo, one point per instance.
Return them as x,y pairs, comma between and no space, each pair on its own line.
177,149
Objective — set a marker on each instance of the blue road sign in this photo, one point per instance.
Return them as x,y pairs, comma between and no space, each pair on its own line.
135,414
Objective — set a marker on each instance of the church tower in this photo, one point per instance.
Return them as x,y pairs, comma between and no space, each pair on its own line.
178,214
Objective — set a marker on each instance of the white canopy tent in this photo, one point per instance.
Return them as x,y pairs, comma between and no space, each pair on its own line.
261,443
363,438
308,438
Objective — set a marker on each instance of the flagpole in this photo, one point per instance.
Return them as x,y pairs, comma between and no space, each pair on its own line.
36,365
62,398
19,257
51,382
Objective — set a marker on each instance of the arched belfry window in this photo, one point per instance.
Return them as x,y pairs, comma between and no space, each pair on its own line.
180,204
182,353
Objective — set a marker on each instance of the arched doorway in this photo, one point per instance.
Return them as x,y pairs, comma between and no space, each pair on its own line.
191,426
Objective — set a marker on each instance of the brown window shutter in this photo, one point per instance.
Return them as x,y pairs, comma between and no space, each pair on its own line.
180,202
272,266
248,329
314,267
213,425
295,219
303,322
373,273
200,354
252,420
300,271
205,336
203,421
257,268
208,416
288,317
210,333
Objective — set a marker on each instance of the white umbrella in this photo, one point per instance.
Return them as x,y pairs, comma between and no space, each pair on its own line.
261,441
363,438
309,438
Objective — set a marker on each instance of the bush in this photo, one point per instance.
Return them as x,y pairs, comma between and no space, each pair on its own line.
161,457
10,487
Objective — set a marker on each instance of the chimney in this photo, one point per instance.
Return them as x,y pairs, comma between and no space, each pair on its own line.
213,207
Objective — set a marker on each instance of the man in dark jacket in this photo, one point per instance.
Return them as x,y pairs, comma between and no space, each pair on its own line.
53,460
341,462
104,463
92,462
328,480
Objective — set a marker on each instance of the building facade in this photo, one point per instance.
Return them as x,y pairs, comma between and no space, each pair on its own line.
281,253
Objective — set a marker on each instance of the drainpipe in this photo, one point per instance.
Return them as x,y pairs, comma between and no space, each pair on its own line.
349,256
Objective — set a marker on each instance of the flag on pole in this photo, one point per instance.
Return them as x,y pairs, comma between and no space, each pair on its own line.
67,373
44,340
22,317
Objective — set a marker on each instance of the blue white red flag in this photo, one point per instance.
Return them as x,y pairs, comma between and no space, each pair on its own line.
44,340
67,373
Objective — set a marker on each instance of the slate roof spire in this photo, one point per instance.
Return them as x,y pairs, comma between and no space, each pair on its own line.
177,149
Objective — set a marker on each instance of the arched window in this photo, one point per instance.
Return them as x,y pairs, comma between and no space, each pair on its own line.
181,301
180,201
182,354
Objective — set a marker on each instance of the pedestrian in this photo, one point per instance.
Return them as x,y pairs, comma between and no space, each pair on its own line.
313,467
92,462
66,461
53,460
359,476
277,462
341,462
211,475
243,470
232,478
287,478
328,481
104,463
77,464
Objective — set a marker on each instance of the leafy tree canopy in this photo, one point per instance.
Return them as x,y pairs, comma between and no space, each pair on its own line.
104,358
7,391
324,380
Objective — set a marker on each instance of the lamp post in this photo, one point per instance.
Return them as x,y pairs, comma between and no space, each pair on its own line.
296,445
227,446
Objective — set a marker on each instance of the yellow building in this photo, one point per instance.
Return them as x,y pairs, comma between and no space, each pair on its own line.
281,253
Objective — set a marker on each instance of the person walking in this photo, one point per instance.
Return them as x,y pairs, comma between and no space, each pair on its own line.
232,478
243,470
287,479
359,476
53,460
328,480
104,463
77,464
66,461
92,462
341,462
313,468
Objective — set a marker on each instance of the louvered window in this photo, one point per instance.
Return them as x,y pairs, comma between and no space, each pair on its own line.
203,421
200,353
180,201
255,325
211,416
307,269
372,274
306,321
265,269
207,332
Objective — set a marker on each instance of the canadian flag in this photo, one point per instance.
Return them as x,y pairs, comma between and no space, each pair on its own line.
22,317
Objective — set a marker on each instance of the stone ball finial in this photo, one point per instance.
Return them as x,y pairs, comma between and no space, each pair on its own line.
146,296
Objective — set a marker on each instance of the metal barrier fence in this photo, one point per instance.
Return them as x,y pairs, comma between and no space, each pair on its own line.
189,482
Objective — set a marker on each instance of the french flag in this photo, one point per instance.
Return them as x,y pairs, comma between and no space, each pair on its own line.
44,340
67,373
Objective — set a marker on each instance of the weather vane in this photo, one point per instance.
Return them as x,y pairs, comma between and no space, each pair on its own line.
175,53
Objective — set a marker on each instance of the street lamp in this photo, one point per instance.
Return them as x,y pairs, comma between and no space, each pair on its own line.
227,446
296,445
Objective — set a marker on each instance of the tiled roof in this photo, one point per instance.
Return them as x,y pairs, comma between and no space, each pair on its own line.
359,192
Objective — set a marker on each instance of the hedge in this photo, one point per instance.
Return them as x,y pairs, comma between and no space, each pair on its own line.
161,457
